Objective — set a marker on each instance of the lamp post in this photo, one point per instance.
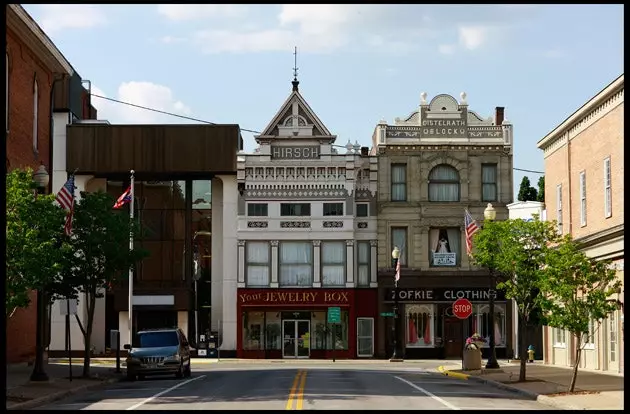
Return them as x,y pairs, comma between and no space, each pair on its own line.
490,214
41,178
395,256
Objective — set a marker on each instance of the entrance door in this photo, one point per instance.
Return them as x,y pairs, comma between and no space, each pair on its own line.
453,340
296,338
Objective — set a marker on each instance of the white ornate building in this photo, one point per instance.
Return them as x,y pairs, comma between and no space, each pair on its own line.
306,240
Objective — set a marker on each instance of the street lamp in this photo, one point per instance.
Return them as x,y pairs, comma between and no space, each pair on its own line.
490,214
197,276
395,256
41,179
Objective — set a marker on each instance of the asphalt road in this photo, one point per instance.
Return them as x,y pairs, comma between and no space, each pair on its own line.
263,386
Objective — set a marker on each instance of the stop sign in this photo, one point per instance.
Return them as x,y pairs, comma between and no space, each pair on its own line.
462,308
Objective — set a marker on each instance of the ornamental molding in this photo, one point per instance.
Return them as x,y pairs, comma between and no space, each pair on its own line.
373,243
333,224
317,243
274,243
295,224
257,224
241,243
296,193
362,225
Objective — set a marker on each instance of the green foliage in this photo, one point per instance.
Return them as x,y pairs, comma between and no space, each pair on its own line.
541,189
100,253
34,249
577,290
526,192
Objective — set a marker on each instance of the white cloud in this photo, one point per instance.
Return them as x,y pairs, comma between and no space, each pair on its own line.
56,17
145,94
472,37
172,39
446,49
187,12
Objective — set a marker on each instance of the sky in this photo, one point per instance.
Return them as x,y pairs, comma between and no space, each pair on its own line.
357,64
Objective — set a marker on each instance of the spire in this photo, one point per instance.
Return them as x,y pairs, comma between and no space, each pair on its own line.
295,82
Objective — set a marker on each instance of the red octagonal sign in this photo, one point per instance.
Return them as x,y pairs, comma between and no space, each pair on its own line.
462,308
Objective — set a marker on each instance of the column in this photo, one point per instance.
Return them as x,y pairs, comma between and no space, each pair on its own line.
274,264
241,263
317,271
373,264
350,263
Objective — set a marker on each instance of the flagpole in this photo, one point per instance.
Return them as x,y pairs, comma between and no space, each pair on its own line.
131,208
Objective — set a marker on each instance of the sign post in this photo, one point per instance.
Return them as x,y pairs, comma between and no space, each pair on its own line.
462,308
334,318
69,308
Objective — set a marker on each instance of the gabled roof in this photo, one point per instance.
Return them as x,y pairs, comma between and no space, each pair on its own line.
286,110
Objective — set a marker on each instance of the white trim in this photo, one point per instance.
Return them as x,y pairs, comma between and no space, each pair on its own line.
554,335
583,198
41,35
371,336
607,188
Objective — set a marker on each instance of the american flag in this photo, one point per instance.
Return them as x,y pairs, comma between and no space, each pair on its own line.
397,270
65,198
471,228
124,198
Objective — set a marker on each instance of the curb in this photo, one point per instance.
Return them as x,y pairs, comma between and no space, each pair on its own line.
530,394
27,405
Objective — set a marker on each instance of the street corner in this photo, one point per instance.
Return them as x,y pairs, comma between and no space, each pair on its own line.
445,371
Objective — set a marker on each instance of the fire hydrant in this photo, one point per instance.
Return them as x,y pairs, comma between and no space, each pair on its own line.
530,354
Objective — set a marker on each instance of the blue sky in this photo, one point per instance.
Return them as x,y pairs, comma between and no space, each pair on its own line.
357,63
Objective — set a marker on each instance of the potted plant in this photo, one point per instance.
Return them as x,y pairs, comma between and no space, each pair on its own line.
472,352
475,341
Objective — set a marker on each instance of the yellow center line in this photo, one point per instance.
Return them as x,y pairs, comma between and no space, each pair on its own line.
294,388
300,392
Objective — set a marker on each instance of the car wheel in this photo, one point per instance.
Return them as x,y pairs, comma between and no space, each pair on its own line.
180,371
131,377
187,370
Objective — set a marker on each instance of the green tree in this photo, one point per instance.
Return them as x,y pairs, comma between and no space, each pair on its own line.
100,255
578,292
517,250
34,250
541,189
526,192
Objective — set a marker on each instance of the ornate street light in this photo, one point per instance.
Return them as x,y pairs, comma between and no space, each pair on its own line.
395,256
41,178
490,214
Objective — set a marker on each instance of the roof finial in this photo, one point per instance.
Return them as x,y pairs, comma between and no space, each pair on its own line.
295,71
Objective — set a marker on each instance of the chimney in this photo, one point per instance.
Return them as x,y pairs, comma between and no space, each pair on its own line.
499,115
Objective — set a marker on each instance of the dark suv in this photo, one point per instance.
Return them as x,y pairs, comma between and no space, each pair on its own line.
158,352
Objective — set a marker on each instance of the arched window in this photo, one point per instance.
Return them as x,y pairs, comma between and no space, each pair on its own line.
420,326
35,115
443,183
481,323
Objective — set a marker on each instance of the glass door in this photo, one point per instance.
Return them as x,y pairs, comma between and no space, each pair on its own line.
288,338
303,339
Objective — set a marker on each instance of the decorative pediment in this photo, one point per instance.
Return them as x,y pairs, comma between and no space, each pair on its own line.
295,119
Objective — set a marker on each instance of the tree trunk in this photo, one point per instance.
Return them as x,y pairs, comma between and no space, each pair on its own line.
91,303
578,355
522,348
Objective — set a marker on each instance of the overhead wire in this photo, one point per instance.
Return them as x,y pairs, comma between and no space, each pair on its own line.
146,108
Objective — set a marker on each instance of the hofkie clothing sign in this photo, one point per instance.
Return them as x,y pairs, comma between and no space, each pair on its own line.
443,294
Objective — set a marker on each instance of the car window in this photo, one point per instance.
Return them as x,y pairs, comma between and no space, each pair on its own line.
157,339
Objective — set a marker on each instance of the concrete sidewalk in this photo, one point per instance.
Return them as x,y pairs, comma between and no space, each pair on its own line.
549,385
22,394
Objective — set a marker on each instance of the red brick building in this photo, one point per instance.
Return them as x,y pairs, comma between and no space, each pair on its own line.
33,64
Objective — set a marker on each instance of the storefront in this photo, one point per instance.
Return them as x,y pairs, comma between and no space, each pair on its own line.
293,323
432,331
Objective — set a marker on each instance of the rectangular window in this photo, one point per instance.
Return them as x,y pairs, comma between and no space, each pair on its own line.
559,207
588,339
419,323
296,264
257,263
7,92
363,263
333,209
333,263
399,182
257,209
583,198
399,239
365,337
489,182
612,319
322,333
444,246
295,209
607,189
362,209
254,331
482,325
35,116
559,338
